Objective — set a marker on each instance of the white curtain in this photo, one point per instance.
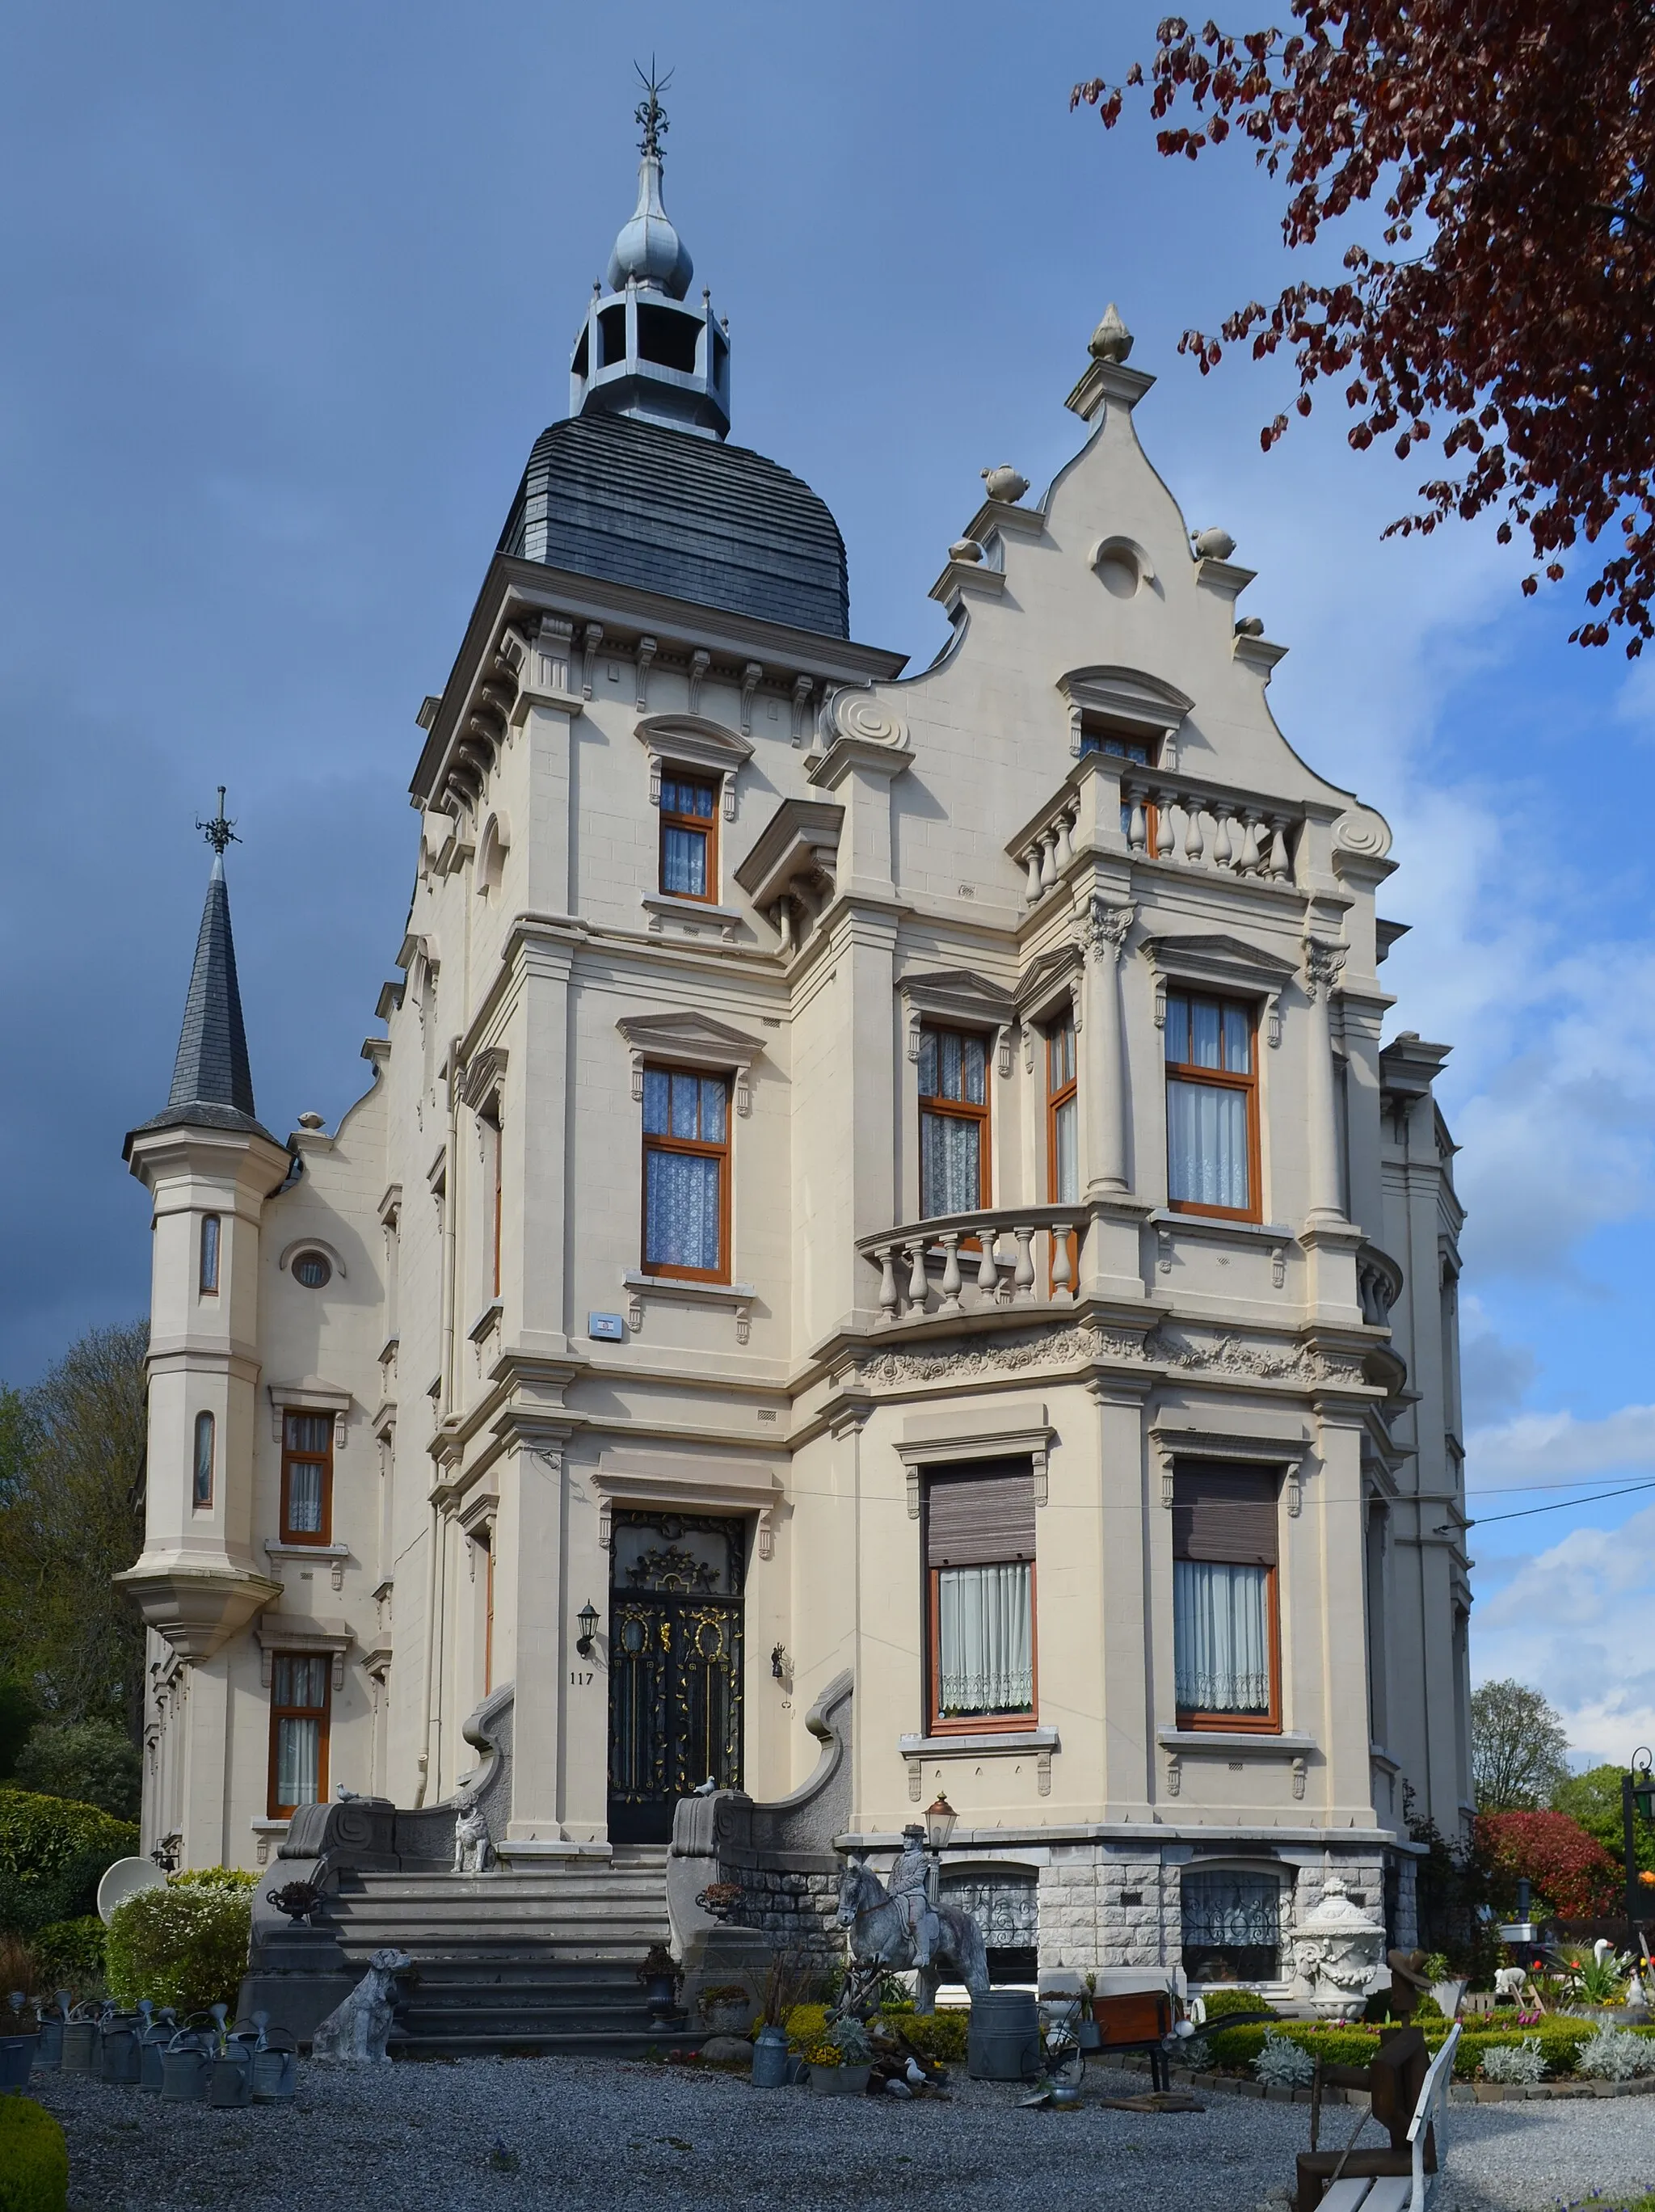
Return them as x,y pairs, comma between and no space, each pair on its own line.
682,1190
304,1496
1066,1165
950,1165
1207,1145
298,1748
1221,1637
985,1639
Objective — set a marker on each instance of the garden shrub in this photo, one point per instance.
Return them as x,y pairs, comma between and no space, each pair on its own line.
33,2159
807,2026
1236,2048
184,1946
236,1878
52,1852
87,1762
1514,2062
70,1951
939,2035
1569,1870
1221,2003
1282,2063
1615,2055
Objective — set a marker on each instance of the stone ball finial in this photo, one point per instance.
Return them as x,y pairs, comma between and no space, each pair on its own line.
1005,483
965,549
1213,545
1112,341
312,1122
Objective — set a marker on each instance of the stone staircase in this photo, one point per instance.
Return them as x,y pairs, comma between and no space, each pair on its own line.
518,1961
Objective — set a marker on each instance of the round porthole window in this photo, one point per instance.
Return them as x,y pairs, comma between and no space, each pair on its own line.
312,1270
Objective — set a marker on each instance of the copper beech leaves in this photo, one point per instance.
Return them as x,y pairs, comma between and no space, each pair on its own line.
1511,315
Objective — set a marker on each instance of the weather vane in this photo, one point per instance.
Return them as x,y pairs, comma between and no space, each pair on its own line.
649,114
218,832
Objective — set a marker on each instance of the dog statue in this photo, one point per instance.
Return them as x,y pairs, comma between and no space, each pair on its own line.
473,1852
354,2033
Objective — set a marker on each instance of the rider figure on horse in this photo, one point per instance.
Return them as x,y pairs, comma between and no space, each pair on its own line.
910,1886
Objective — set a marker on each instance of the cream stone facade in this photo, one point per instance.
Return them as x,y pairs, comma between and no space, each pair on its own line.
1080,821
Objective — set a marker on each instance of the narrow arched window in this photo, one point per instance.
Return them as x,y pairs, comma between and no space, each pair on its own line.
204,1483
208,1254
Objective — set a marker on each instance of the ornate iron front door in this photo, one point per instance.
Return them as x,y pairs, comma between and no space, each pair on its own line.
675,1666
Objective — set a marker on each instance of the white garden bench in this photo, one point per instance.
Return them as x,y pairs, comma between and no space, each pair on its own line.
1400,2192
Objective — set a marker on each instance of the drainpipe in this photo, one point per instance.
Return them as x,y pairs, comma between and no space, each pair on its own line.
430,1653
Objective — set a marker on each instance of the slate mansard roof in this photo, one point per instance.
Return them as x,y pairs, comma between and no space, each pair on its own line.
666,510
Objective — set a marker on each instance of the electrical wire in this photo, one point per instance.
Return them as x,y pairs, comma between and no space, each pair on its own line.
1485,1520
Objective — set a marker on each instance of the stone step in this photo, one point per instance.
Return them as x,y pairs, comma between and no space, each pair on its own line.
643,1883
595,2043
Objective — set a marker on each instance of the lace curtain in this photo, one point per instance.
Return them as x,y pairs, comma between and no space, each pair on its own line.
1207,1145
681,1193
1221,1637
985,1639
950,1165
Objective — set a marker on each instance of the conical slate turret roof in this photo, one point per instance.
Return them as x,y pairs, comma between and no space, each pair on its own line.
212,1081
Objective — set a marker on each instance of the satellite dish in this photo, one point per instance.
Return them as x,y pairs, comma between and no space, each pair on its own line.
126,1878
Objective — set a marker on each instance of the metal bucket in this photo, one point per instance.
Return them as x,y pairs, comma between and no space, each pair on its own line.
183,2070
16,2059
1004,2044
118,2056
79,2053
770,2059
275,2073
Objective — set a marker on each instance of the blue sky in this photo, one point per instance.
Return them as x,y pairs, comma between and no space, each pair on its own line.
290,294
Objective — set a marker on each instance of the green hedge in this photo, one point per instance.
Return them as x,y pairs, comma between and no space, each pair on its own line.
1235,2049
1220,2003
939,2035
52,1853
181,1946
33,2159
70,1950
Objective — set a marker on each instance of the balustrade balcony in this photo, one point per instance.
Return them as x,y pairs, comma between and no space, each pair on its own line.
1163,816
1003,1258
1378,1285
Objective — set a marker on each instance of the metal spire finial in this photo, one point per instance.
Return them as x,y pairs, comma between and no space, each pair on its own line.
218,832
649,114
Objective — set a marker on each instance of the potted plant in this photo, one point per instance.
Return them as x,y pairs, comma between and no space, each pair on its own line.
785,1982
840,2066
659,1976
1446,1990
1091,2035
726,2009
298,1900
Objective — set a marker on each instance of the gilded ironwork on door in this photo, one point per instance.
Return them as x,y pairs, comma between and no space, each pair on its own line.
675,1666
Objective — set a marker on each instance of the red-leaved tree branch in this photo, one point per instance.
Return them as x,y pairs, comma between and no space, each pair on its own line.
1508,144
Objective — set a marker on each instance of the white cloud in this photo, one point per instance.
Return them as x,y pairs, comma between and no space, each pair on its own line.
1573,1622
1536,1448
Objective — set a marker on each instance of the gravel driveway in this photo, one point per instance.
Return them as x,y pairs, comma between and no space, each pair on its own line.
594,2136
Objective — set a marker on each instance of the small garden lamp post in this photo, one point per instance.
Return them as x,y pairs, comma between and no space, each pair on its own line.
1637,1795
587,1617
940,1817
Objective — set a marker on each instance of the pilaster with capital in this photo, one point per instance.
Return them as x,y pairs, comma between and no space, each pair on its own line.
1324,963
1104,932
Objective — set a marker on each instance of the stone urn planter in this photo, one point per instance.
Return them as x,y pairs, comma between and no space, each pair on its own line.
1336,1950
838,2081
727,2015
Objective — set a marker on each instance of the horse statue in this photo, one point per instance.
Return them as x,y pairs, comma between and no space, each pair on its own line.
897,1930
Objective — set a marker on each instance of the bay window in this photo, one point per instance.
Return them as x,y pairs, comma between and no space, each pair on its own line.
980,1557
1225,1616
953,1156
686,1174
1212,1107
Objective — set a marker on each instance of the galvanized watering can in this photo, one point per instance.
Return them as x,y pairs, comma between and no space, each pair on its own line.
118,2056
230,2082
49,2051
157,2032
80,2054
184,2067
276,2064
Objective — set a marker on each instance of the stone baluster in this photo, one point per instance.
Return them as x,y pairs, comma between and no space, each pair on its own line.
1048,859
1066,824
1032,861
1022,1279
1165,802
1137,828
1062,1273
887,1291
1223,851
1279,869
952,1278
1194,836
988,1273
1252,823
917,1274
